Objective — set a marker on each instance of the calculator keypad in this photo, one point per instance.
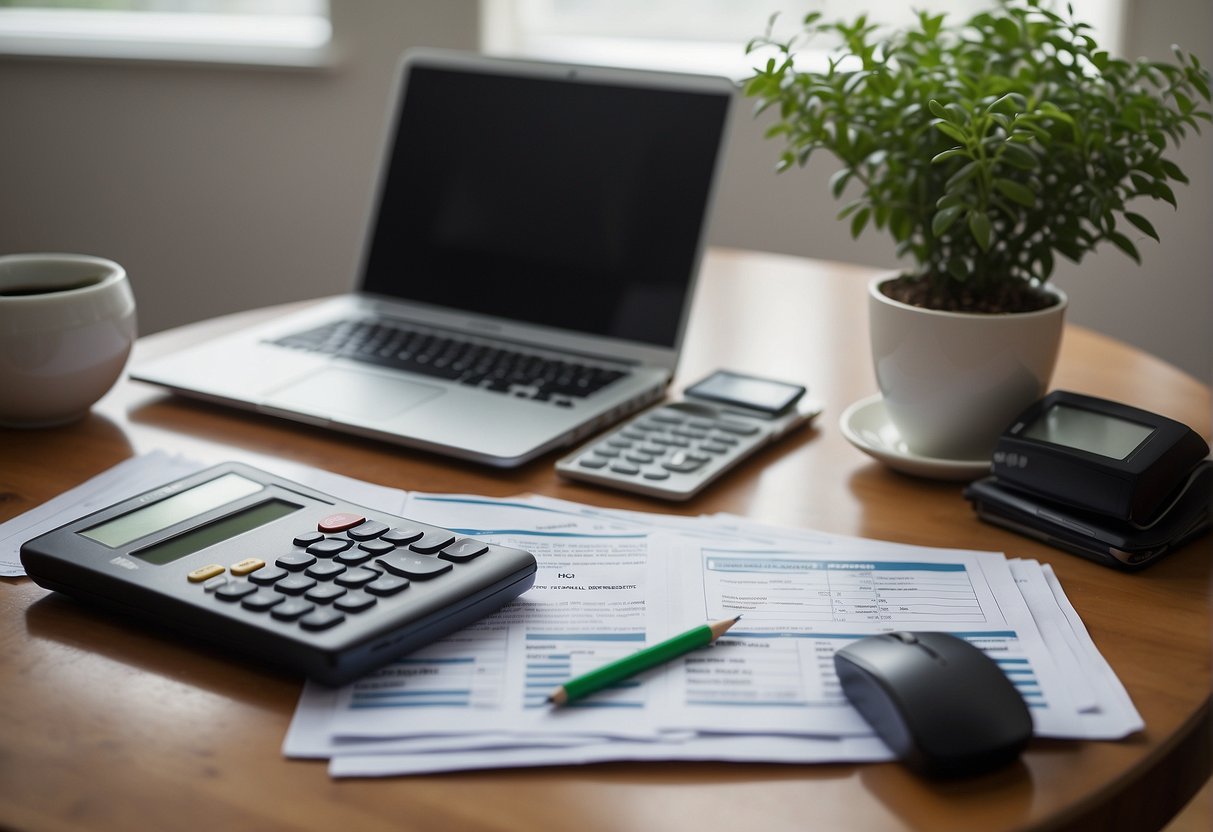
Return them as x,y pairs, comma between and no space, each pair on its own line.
344,568
666,441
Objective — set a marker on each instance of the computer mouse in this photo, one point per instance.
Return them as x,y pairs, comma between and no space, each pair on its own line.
941,704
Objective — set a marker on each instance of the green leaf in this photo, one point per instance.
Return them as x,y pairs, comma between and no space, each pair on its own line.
979,226
951,153
937,109
859,221
838,182
1125,244
1016,192
1143,224
944,219
1172,170
951,131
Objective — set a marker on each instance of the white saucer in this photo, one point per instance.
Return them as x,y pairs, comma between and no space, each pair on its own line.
866,425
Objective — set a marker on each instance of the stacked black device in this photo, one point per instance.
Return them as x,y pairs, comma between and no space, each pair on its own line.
1113,483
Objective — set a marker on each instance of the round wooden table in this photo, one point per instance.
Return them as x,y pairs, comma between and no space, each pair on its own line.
109,724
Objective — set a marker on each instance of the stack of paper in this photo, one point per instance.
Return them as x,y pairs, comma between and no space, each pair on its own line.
610,582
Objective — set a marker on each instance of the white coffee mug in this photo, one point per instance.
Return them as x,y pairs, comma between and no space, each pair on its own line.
67,323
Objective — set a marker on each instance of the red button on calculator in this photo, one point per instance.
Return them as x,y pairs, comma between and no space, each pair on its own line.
339,522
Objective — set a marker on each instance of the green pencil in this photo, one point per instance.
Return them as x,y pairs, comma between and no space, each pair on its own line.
616,671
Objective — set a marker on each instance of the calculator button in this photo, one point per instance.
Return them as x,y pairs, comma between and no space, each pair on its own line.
401,536
432,542
725,439
321,620
377,547
683,463
292,608
387,585
294,585
625,468
606,452
619,442
246,566
262,601
329,546
701,424
269,575
592,461
367,530
205,573
639,459
656,475
339,522
355,602
413,566
215,582
714,448
463,550
739,428
632,433
235,590
667,416
355,578
689,434
354,557
308,538
325,570
325,593
295,562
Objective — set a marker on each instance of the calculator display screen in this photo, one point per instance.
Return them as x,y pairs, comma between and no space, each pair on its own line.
1086,430
172,510
197,539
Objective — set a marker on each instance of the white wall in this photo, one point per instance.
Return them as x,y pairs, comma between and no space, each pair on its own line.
229,188
218,188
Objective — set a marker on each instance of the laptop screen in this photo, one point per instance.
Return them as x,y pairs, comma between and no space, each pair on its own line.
550,200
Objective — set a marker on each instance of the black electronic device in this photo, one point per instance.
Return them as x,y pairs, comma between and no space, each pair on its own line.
943,706
1096,455
289,575
1106,540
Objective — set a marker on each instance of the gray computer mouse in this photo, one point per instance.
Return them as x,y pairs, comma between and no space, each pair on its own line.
941,704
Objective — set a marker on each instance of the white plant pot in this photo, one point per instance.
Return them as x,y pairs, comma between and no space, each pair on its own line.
953,381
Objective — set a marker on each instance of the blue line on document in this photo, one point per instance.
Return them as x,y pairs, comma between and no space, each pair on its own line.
585,636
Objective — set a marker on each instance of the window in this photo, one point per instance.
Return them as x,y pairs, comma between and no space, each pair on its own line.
701,35
276,32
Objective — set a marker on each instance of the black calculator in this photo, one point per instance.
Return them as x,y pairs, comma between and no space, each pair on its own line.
281,572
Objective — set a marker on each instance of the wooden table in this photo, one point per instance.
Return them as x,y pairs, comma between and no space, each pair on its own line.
112,726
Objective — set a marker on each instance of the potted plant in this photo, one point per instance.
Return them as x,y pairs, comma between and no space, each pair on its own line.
985,148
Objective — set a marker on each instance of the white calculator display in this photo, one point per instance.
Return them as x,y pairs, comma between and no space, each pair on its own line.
674,450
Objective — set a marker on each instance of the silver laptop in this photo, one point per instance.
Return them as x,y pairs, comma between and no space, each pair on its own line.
527,272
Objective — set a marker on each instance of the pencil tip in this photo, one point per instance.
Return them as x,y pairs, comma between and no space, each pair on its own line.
735,620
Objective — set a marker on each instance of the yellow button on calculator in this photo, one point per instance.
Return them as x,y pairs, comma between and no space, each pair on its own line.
247,565
204,573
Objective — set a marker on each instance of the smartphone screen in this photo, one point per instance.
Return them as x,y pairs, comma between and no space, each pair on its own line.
761,394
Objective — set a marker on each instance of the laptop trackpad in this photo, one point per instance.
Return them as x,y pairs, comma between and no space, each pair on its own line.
343,392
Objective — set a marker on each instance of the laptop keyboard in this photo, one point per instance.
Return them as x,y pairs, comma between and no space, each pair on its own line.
501,370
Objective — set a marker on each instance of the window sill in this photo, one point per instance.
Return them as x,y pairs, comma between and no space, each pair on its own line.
301,43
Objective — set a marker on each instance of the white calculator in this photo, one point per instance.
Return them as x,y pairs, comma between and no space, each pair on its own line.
674,450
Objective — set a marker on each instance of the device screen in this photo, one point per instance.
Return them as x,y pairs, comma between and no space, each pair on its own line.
197,539
1086,430
561,203
746,391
